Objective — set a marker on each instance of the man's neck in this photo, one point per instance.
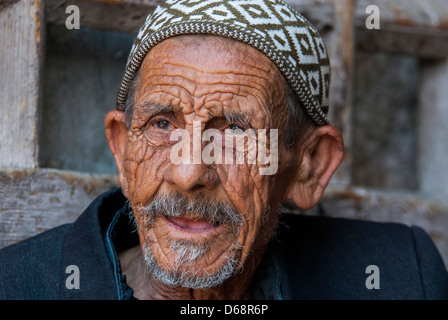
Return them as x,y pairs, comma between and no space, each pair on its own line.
146,287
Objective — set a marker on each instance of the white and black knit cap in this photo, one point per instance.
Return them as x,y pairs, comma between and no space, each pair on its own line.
271,26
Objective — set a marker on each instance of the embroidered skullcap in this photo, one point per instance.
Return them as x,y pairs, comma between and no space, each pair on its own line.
271,26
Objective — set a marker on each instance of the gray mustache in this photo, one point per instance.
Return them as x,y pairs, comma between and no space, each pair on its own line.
177,205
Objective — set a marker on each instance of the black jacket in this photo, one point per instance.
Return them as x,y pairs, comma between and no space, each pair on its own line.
309,258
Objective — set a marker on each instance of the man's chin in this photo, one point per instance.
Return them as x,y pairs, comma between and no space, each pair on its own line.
188,270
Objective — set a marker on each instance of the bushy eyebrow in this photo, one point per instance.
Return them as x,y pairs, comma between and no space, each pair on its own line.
150,109
238,117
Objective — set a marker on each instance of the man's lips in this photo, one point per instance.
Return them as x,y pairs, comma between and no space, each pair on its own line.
192,225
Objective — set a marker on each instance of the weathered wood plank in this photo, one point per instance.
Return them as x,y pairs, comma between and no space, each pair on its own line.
21,38
111,15
414,27
32,201
430,14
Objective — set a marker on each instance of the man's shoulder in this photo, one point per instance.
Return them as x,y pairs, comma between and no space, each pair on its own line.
343,229
332,256
28,268
35,268
38,245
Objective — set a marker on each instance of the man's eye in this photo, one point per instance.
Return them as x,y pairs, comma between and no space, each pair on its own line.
234,127
163,124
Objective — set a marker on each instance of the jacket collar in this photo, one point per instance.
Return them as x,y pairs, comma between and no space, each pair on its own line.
84,247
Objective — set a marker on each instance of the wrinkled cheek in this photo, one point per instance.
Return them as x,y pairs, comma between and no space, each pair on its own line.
146,233
144,167
249,192
247,237
245,187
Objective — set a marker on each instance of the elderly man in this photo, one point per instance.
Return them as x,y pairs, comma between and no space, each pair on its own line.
205,211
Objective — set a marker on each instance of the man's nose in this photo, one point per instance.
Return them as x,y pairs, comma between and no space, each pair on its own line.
189,177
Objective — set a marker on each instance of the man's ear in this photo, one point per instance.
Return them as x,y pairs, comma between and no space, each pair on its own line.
116,134
321,154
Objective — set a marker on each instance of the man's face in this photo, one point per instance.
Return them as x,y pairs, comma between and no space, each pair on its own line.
199,223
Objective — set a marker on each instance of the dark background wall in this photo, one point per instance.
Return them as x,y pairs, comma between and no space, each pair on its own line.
82,70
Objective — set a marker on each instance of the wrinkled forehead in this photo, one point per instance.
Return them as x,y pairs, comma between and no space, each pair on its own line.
211,72
212,53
